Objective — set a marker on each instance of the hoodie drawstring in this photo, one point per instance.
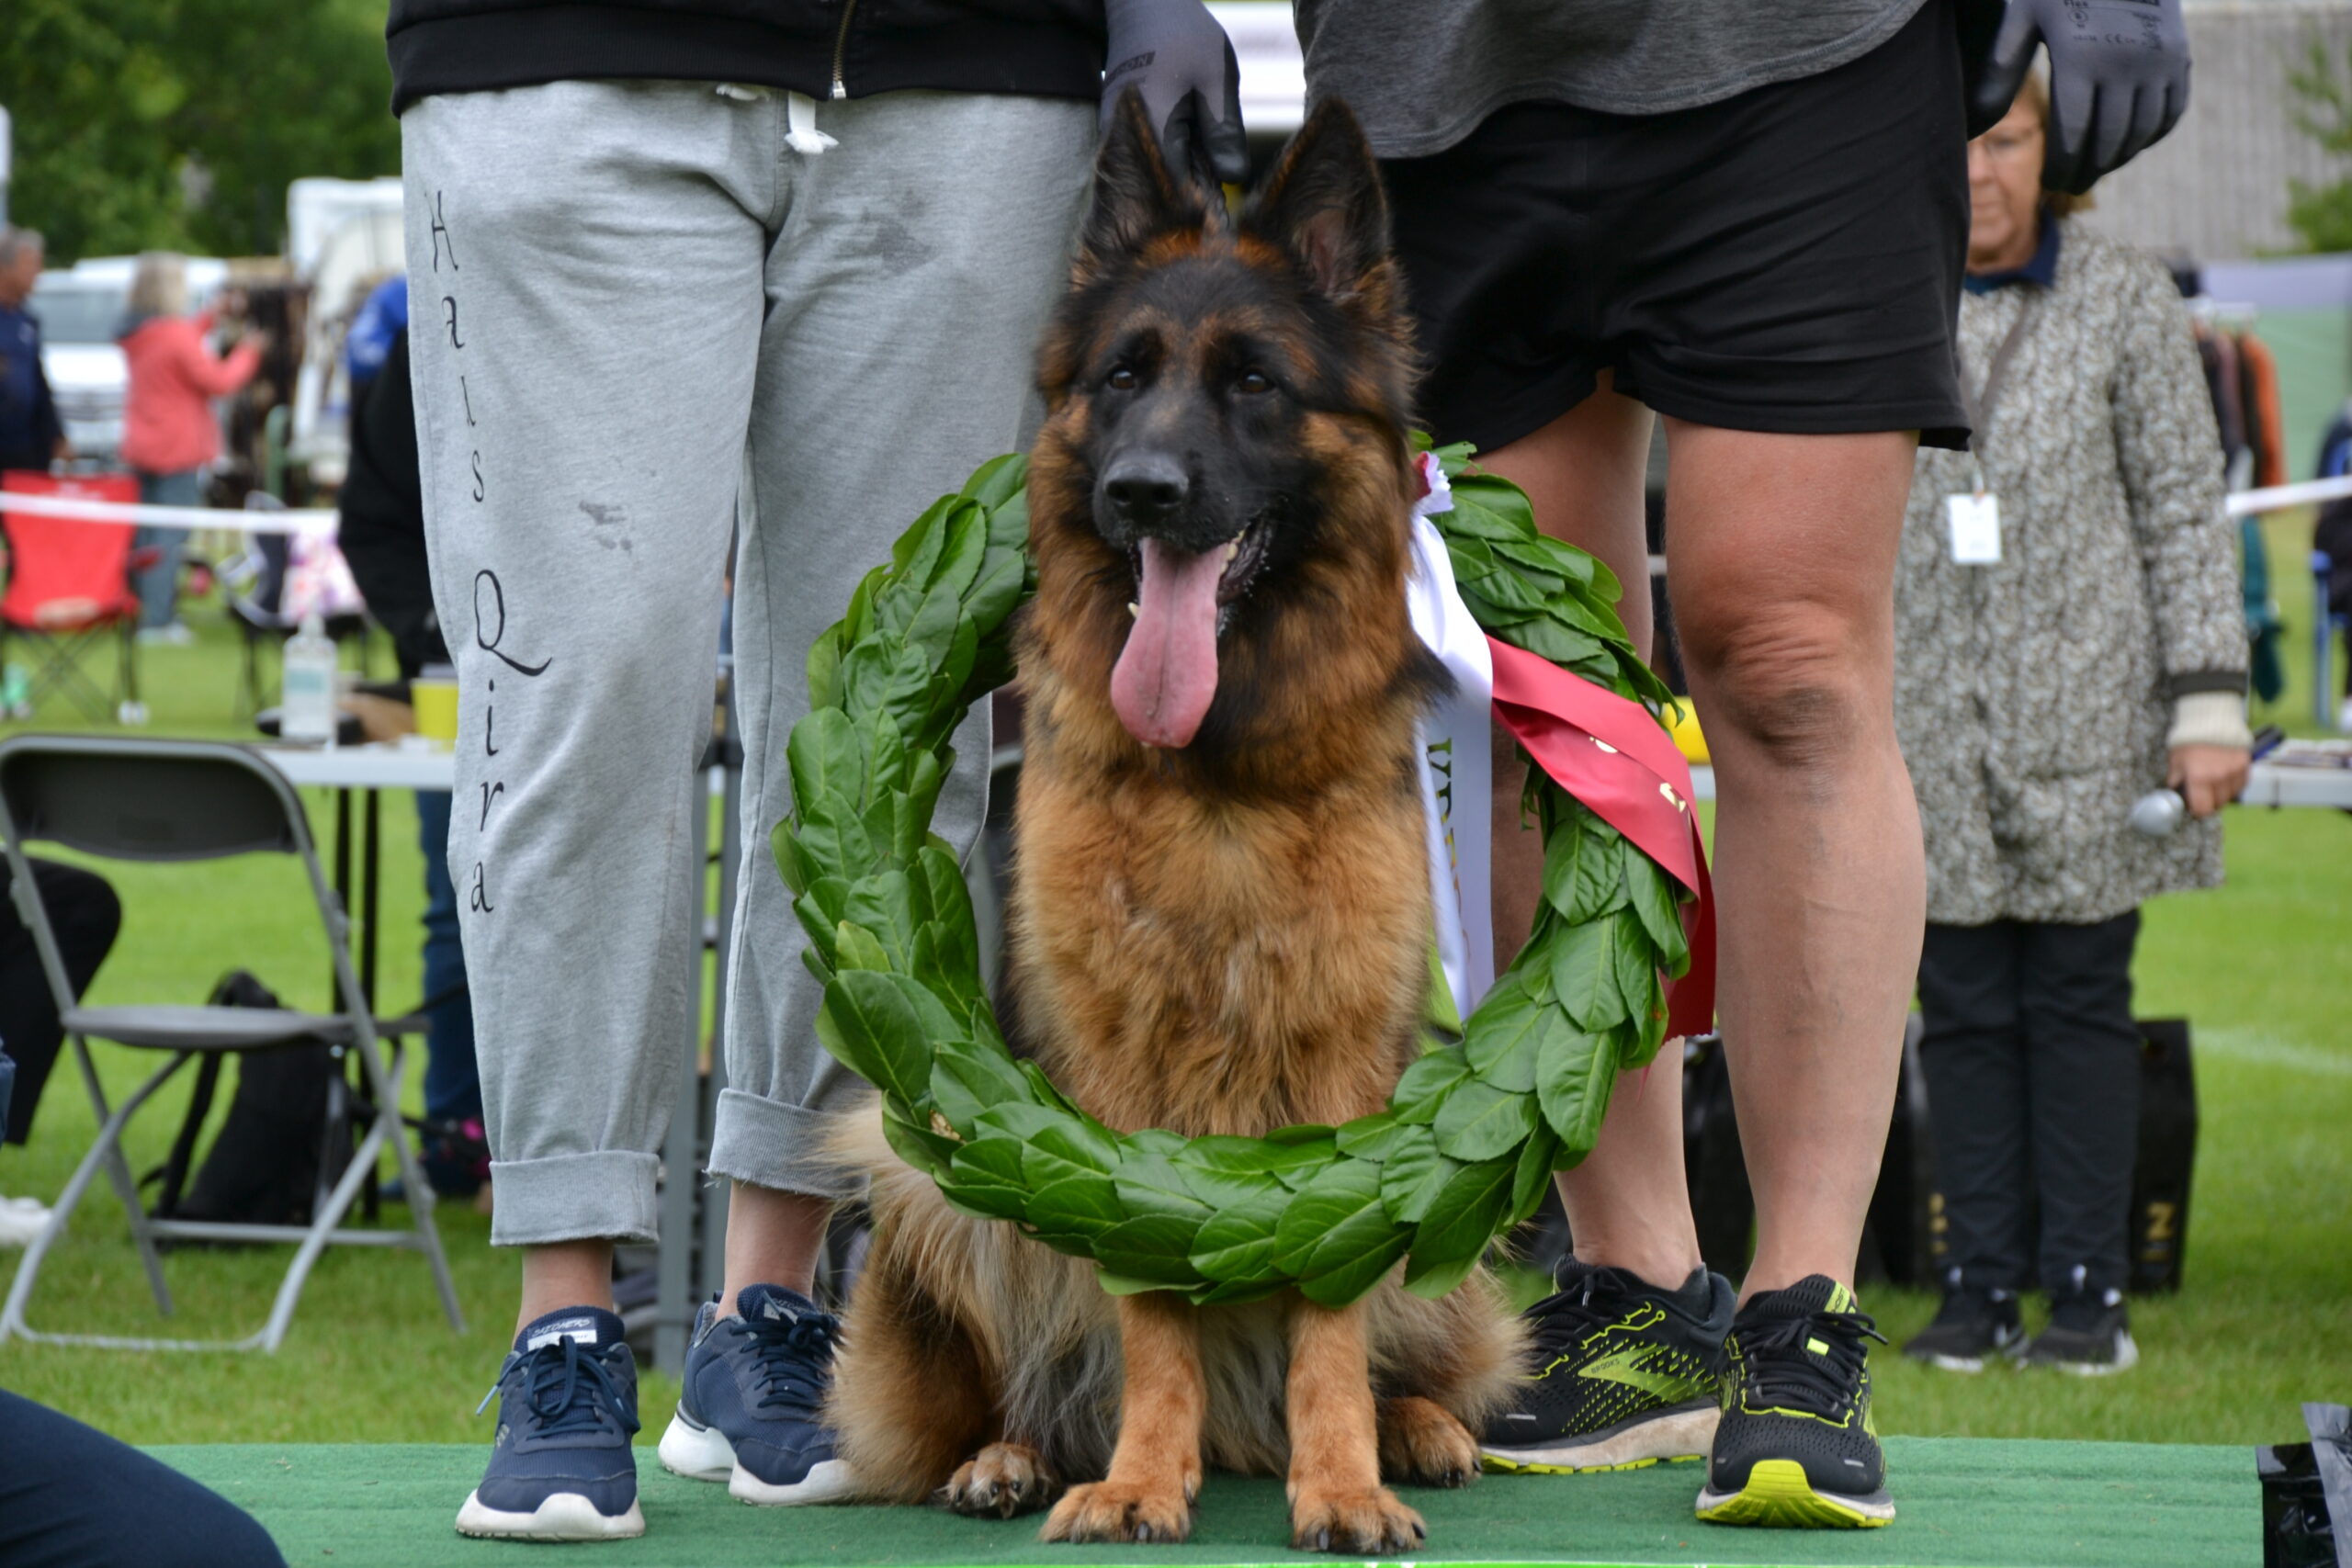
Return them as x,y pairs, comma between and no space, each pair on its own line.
799,108
801,132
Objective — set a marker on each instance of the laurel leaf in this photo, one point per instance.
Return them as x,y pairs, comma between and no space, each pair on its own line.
967,1081
1652,895
1480,1122
1154,1247
1413,1175
1585,974
1237,1244
1425,1083
985,1179
1636,966
1336,1214
1462,1220
1501,1051
1573,1074
1081,1206
1151,1184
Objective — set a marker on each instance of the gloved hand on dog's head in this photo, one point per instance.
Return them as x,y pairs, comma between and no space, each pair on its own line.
2119,79
1174,54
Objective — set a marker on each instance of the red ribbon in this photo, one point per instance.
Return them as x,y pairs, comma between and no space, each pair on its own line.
1610,752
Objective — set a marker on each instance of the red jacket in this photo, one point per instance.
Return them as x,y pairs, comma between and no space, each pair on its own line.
167,420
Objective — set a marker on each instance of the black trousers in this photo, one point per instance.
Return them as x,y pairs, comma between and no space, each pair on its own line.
84,914
74,1497
2033,1089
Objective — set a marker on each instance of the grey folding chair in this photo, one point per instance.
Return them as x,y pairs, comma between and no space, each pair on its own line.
194,800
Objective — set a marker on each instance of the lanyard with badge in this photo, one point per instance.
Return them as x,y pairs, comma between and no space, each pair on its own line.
1975,515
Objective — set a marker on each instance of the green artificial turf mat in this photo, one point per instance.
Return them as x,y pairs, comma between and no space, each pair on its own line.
1966,1503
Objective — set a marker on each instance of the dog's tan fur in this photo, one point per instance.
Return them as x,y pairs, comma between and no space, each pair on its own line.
1213,943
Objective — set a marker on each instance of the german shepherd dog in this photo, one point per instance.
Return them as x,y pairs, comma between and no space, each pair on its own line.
1221,915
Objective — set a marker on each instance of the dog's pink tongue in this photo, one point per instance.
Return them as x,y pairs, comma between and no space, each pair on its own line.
1166,676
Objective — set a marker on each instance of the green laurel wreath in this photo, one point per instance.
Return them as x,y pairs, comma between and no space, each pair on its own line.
1476,1128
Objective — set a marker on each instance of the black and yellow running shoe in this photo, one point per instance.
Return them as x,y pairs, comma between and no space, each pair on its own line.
1795,1447
1625,1374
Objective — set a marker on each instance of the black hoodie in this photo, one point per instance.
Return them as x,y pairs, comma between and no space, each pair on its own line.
840,48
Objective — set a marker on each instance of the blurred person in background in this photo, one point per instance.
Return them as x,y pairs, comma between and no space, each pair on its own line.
169,431
2069,639
31,434
2332,542
86,916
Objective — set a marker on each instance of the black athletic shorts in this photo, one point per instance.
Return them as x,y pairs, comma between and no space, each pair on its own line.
1785,260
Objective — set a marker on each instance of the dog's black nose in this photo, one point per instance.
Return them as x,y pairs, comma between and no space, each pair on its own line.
1146,487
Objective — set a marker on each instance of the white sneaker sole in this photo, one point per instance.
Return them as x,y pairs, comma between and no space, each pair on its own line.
1687,1435
2011,1353
702,1453
699,1453
566,1516
2127,1356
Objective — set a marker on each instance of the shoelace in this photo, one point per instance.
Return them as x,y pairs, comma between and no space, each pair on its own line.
795,1357
1566,1317
566,1390
1784,1371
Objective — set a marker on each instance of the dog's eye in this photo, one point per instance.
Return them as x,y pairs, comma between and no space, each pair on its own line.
1253,382
1121,379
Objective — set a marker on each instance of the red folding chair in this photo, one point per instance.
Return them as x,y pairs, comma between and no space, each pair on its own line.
69,586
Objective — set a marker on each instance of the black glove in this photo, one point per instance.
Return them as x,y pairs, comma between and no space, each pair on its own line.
1173,53
2119,80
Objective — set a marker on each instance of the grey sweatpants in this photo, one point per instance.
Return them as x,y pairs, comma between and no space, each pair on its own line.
625,296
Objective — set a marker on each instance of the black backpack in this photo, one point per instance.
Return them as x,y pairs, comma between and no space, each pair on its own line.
284,1141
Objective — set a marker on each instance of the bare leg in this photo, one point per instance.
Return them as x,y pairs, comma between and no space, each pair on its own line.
1783,551
565,1274
1628,1204
772,1239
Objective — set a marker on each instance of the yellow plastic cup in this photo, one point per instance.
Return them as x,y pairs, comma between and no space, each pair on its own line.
437,708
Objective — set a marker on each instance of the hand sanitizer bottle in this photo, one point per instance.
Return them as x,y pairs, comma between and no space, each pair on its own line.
306,712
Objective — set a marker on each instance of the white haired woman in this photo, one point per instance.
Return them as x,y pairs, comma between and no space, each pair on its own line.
169,433
2069,639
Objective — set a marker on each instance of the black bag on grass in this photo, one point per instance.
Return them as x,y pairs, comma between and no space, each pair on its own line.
285,1138
2167,1154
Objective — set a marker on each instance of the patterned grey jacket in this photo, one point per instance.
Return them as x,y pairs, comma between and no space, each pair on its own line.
2033,697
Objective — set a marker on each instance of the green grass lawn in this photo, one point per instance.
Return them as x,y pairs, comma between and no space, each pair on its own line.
2262,968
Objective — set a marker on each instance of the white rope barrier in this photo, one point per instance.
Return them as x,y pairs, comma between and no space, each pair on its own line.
2278,497
185,517
2245,503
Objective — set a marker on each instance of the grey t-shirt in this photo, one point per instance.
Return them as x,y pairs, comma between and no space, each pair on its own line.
1422,73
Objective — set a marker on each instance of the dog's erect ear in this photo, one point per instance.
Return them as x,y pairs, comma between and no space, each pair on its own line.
1136,197
1323,204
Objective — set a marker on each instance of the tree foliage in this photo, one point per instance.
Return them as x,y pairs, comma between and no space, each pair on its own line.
2322,215
176,124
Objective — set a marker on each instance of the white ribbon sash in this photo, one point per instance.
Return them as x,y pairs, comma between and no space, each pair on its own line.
1456,766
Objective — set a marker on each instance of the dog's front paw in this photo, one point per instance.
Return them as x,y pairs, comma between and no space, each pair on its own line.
1422,1444
1355,1523
1003,1479
1113,1511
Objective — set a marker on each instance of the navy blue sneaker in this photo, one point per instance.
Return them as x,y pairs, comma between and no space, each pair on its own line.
560,1467
752,1413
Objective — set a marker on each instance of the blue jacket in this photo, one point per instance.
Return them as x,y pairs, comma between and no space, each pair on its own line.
29,422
